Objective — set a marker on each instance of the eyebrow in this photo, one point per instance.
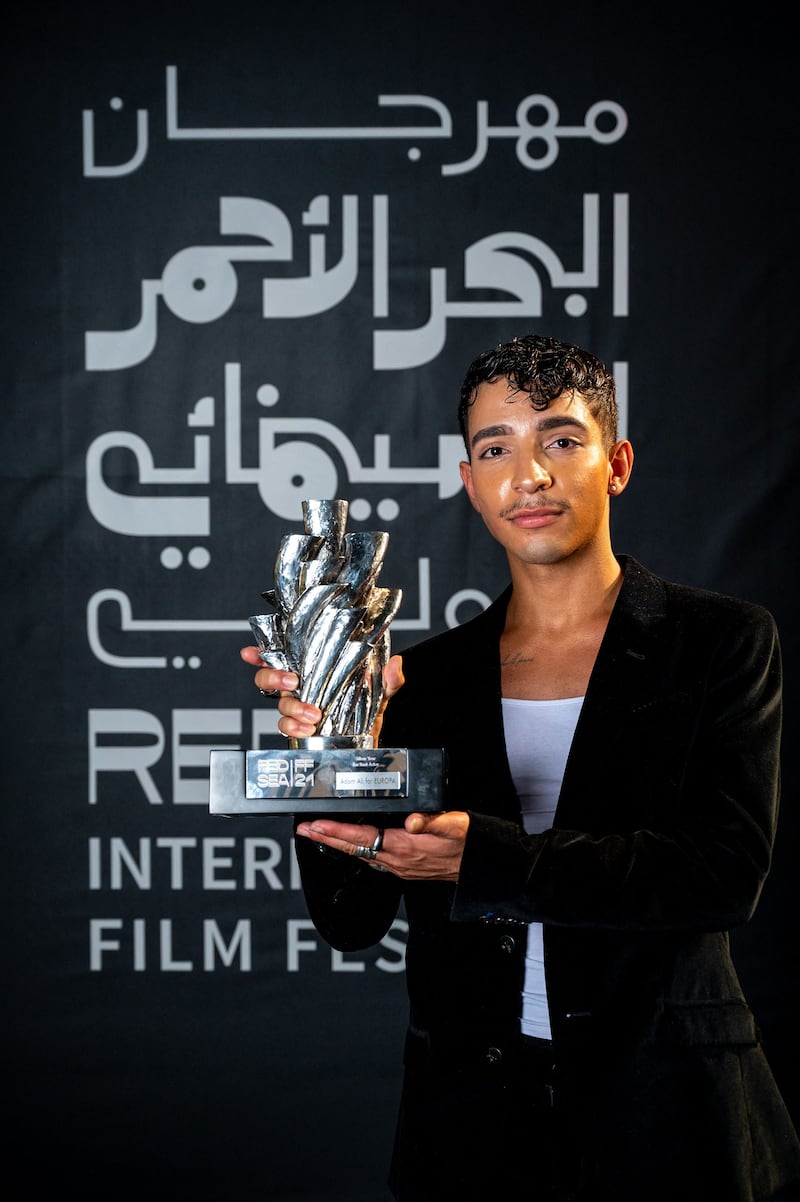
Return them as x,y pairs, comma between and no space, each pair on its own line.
548,421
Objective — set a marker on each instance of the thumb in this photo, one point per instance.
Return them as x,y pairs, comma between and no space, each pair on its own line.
451,824
393,678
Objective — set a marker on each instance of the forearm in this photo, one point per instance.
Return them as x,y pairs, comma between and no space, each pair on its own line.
636,880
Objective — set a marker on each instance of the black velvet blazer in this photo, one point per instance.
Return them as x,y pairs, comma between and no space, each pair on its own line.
661,843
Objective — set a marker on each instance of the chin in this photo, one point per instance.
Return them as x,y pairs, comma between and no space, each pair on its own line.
540,554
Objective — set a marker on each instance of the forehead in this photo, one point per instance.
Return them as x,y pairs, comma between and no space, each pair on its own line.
501,403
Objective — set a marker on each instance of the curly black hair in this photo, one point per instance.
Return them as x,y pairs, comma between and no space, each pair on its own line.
544,368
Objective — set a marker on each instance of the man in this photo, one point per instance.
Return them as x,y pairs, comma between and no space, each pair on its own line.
577,1029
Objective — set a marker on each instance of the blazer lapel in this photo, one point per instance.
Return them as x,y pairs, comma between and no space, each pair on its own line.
627,675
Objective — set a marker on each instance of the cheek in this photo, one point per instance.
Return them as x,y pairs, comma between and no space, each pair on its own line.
470,490
486,494
592,496
591,484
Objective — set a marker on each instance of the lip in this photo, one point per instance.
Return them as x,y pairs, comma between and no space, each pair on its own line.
532,519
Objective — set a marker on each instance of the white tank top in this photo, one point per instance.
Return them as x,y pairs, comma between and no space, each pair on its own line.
538,738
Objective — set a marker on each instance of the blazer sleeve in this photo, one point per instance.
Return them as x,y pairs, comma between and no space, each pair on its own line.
701,861
351,905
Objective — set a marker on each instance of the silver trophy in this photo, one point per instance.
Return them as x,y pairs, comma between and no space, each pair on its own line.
329,623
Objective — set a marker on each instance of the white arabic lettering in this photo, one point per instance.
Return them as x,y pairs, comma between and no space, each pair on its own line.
546,132
496,262
118,602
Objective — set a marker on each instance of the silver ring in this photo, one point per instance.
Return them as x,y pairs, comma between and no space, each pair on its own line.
269,692
369,853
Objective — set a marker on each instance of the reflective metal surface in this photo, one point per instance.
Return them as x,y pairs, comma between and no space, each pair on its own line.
330,622
322,780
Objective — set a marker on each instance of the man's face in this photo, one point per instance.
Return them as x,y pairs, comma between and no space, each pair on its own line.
538,478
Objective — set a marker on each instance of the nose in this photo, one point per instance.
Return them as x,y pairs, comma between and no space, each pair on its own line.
531,475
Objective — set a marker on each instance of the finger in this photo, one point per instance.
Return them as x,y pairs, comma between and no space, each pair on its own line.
353,840
393,678
275,680
448,824
348,834
291,729
299,719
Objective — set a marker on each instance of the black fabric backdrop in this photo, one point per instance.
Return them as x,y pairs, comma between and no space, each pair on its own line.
270,200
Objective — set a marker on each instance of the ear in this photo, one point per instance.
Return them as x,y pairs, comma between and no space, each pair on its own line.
620,466
466,479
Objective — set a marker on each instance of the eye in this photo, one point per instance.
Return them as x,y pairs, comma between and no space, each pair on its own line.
565,443
493,452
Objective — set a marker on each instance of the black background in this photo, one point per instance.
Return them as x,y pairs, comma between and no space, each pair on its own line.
275,1085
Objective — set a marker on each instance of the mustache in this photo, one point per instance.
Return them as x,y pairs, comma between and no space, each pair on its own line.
530,507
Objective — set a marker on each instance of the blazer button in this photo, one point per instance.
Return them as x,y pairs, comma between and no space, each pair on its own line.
493,1055
507,943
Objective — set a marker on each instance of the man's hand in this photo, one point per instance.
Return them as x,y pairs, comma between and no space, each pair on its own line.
428,848
299,719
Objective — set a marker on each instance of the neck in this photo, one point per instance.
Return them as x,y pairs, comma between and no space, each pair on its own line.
561,594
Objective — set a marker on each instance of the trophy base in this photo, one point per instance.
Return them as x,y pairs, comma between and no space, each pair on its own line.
318,780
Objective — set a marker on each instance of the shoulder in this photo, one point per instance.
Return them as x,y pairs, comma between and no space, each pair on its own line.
697,633
649,596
